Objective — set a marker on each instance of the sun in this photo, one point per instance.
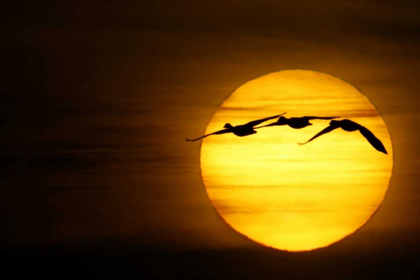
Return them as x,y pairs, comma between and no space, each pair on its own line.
291,197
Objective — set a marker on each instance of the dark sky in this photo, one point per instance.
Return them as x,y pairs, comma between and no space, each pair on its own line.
97,98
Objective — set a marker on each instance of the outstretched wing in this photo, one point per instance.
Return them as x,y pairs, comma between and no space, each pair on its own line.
319,118
227,130
325,130
270,124
257,122
375,142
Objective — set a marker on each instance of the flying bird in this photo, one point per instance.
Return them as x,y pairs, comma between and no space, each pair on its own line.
296,123
349,125
239,130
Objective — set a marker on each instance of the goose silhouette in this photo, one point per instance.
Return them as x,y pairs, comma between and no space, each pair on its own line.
297,123
349,125
238,130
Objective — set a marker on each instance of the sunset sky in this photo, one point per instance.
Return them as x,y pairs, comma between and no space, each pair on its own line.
97,98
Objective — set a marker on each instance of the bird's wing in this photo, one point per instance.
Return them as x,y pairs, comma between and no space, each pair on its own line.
223,131
375,142
319,118
257,122
270,124
325,130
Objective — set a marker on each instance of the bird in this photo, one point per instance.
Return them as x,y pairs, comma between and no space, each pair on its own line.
297,123
349,125
239,130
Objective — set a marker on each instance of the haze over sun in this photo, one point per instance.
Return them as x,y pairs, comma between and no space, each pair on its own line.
293,197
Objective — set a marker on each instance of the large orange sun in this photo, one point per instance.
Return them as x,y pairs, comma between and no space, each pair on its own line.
291,197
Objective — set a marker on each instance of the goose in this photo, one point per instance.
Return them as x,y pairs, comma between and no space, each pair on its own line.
238,130
296,123
349,125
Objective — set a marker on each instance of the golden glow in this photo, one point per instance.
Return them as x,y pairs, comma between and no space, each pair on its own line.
293,197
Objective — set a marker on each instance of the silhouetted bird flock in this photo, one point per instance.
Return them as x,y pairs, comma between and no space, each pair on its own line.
298,123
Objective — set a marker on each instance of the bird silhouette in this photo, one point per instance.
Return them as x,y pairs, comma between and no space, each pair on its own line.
239,130
349,125
296,123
